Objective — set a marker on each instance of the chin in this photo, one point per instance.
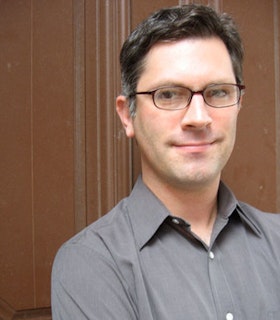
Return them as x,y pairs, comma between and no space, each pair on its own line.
196,182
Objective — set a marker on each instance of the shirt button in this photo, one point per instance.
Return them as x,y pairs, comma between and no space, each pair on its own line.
229,316
212,256
176,221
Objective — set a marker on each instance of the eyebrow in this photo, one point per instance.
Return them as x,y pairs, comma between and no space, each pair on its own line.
165,84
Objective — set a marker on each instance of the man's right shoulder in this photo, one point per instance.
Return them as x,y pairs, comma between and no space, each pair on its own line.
96,263
105,233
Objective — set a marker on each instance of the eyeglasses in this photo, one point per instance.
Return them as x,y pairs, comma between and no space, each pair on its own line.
215,95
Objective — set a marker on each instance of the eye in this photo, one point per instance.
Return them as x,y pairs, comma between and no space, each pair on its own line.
218,92
168,94
171,97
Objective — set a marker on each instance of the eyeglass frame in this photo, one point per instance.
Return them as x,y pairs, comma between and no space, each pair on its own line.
241,88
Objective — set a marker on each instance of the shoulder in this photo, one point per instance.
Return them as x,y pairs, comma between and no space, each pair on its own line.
109,234
97,259
91,266
267,223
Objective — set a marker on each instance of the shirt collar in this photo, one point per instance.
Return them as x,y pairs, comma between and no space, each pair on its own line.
147,212
229,205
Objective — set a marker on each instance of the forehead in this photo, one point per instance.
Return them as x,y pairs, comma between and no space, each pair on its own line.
193,62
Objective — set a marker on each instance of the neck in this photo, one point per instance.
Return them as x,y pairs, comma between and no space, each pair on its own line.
197,206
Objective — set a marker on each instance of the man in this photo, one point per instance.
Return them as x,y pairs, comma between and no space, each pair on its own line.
180,246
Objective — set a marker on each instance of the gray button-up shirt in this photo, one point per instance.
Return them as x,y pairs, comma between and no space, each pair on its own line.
140,262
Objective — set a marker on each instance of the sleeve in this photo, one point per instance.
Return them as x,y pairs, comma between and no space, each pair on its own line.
88,286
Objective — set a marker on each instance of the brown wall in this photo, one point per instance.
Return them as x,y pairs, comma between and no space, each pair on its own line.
64,158
254,169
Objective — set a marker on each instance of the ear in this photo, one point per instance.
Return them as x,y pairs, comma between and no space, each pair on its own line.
122,107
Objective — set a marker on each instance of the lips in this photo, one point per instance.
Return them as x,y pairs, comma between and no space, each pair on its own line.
193,144
194,147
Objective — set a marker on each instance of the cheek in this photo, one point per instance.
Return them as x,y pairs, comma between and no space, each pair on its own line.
233,123
227,120
230,129
150,132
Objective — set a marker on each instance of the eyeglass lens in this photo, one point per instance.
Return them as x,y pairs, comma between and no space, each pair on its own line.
220,95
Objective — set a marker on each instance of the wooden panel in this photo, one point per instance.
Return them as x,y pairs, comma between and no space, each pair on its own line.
8,313
37,173
16,242
253,168
141,9
276,20
79,114
52,134
108,151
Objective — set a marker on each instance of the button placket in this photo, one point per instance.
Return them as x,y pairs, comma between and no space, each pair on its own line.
221,291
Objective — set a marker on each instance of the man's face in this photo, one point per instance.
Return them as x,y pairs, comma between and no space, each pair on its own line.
184,148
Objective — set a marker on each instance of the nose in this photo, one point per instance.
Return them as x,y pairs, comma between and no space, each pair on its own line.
196,114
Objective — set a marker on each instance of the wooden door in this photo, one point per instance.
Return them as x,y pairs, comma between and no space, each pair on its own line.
64,158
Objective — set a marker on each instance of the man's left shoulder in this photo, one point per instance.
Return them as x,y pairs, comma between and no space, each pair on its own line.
266,221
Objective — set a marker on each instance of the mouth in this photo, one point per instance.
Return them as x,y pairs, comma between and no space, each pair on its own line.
194,147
